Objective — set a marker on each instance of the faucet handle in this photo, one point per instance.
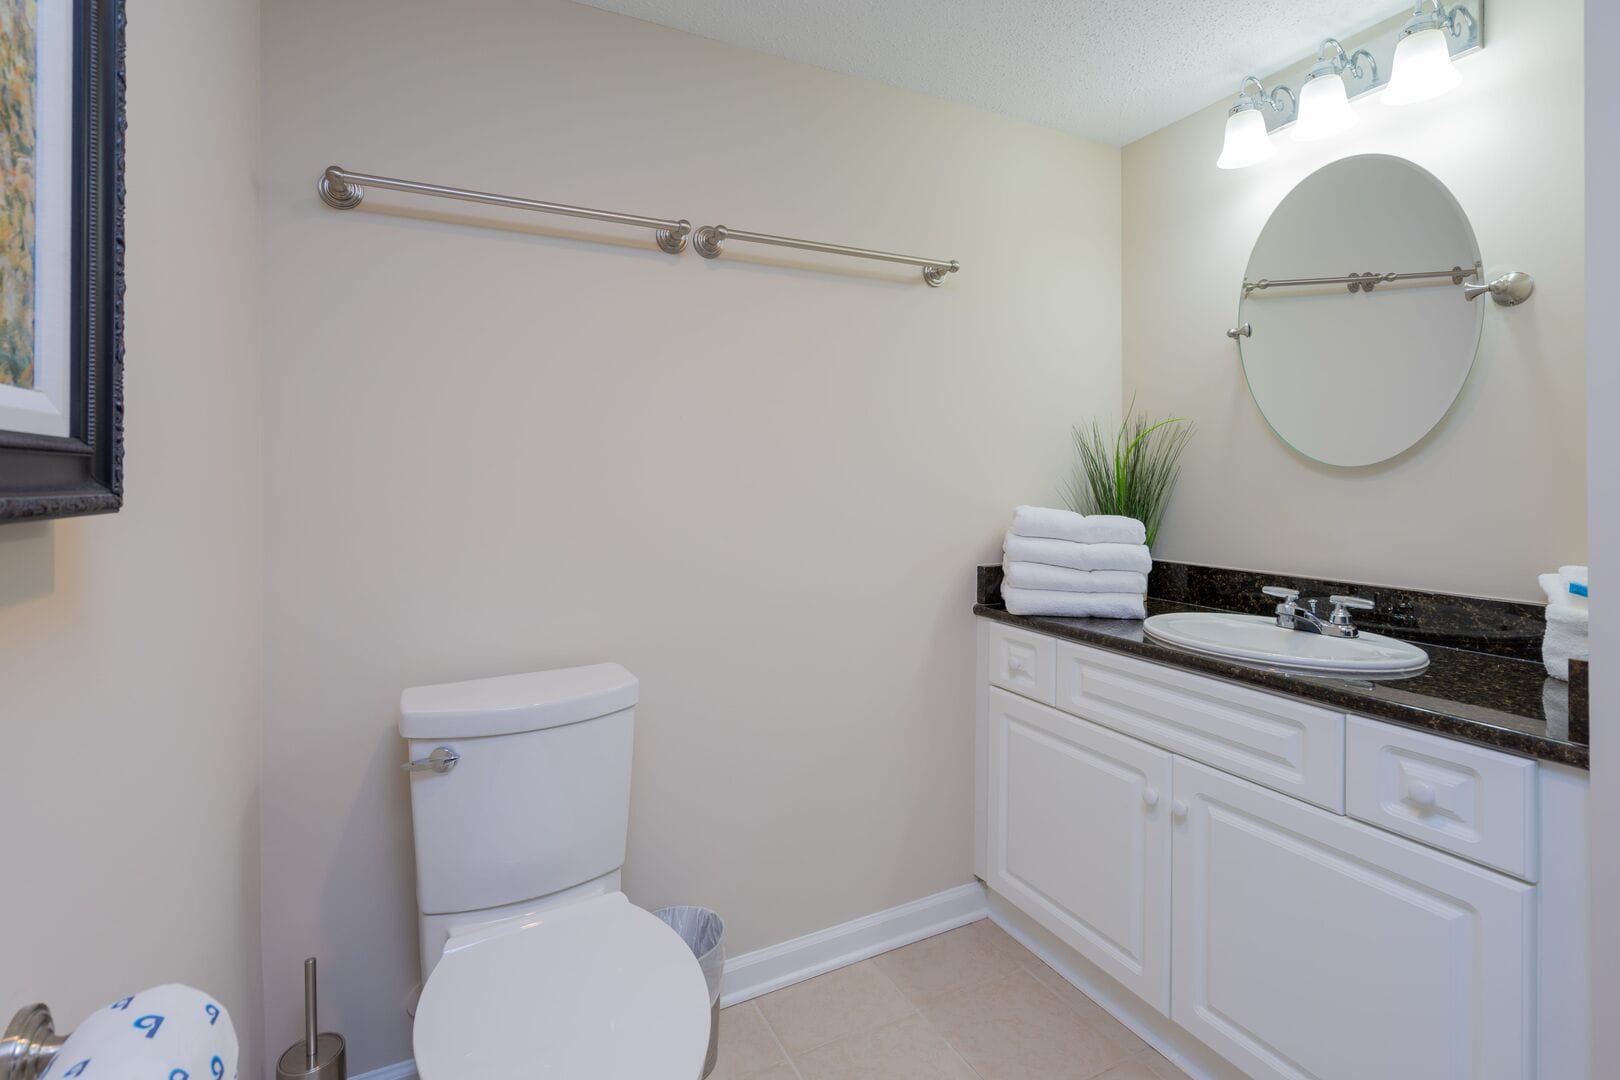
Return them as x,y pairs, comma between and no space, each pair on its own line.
1342,606
1286,595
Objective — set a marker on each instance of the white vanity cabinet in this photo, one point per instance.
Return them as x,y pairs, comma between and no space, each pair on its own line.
1199,843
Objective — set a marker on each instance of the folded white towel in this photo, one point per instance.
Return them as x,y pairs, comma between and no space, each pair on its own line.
1080,528
1565,640
1074,605
1133,557
1034,575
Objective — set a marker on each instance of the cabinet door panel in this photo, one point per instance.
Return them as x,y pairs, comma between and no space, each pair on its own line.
1080,840
1307,945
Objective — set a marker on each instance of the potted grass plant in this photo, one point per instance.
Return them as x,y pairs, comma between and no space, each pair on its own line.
1129,471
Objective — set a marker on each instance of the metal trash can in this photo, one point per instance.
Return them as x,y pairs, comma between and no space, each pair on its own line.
704,933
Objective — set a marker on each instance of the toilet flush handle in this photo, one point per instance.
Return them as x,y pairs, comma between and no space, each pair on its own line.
442,760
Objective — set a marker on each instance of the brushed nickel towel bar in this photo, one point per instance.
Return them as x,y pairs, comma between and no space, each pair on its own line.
343,190
707,242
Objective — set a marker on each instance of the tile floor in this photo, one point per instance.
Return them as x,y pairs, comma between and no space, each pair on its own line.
971,1004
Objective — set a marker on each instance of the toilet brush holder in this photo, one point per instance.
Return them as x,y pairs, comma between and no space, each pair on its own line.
318,1055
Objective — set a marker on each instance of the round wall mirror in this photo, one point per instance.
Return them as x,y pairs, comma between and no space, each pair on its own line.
1353,372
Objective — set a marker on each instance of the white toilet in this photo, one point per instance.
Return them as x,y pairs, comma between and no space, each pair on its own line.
535,964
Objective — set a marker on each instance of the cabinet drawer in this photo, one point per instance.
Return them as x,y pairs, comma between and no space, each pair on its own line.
1286,745
1022,662
1465,799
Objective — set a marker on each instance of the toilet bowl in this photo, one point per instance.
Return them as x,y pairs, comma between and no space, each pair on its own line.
535,964
596,989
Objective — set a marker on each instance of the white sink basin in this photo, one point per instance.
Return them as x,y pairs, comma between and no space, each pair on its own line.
1257,639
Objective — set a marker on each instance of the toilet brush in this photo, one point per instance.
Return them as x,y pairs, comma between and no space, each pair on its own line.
318,1055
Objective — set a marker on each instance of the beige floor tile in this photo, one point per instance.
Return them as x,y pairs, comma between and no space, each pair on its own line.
1130,1070
1017,1029
783,1071
993,936
907,1049
1091,1012
973,954
1162,1067
832,1006
747,1047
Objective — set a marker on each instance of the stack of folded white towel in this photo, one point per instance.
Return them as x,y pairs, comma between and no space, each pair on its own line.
1055,562
1567,619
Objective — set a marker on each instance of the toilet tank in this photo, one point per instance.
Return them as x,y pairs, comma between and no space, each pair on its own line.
539,798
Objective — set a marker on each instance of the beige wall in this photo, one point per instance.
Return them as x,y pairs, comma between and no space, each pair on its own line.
761,486
1497,493
129,644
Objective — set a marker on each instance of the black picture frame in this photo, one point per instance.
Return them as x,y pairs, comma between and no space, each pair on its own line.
83,472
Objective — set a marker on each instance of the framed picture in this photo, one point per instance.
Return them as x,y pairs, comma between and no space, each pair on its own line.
61,257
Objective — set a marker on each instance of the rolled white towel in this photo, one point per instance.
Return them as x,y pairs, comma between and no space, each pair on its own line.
1043,521
1565,640
1074,605
1075,556
1034,575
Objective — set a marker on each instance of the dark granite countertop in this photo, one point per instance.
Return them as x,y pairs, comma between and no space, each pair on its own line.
1497,701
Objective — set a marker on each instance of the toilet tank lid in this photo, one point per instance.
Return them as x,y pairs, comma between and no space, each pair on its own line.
509,704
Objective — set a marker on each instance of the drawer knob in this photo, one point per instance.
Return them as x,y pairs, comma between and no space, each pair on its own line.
1178,809
1422,793
1015,666
1150,797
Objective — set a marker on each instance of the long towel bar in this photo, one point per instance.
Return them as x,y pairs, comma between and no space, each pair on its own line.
343,190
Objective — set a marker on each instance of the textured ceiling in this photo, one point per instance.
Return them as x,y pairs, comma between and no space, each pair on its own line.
1112,70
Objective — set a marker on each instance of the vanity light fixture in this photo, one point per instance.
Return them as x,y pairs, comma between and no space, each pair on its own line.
1324,101
1416,65
1248,137
1423,67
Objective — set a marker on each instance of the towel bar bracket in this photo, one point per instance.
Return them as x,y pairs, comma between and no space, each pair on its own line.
339,195
29,1044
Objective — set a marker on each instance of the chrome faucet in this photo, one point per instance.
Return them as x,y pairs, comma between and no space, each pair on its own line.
1292,616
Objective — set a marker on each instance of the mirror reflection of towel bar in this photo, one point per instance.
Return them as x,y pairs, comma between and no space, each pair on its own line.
1361,282
1509,290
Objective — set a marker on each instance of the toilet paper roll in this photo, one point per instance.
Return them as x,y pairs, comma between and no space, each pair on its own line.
166,1033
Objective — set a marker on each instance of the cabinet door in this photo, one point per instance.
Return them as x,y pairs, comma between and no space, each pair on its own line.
1080,838
1307,945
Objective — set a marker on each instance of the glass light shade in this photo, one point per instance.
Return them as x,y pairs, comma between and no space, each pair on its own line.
1247,140
1423,69
1324,109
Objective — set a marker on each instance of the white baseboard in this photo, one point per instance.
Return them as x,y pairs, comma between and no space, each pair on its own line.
404,1070
759,972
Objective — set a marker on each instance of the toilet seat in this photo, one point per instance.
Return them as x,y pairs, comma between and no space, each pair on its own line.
596,989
